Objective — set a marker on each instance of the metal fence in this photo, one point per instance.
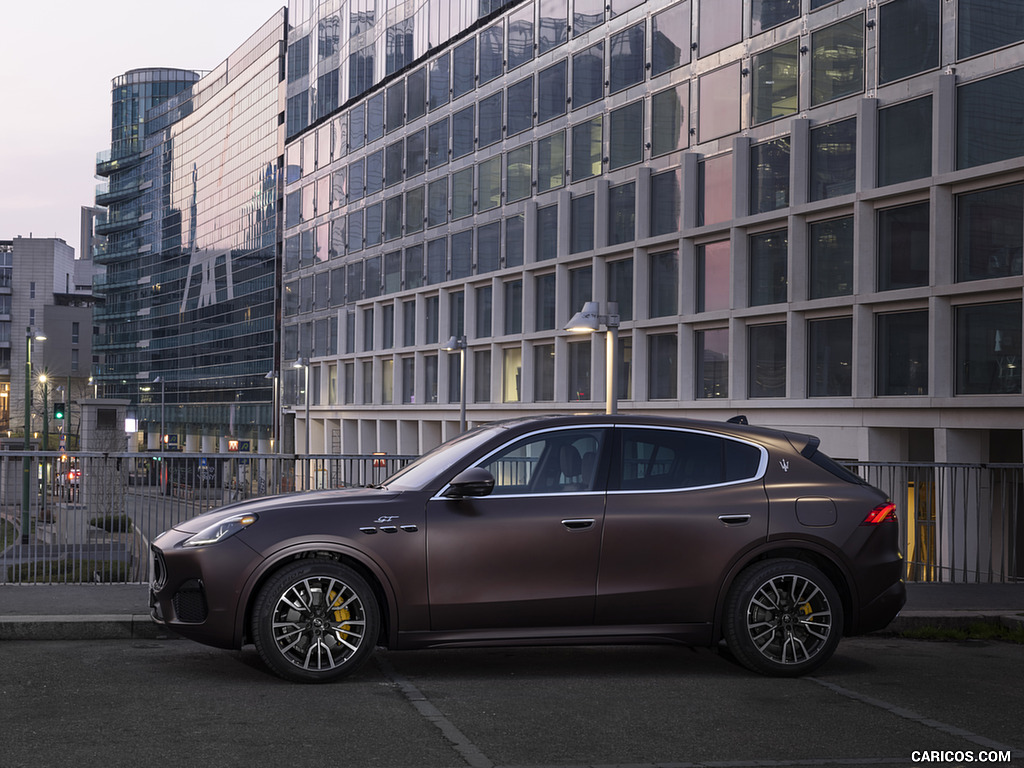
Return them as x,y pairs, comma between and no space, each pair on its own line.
90,517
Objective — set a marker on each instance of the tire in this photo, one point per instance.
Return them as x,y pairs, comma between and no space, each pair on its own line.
315,621
783,618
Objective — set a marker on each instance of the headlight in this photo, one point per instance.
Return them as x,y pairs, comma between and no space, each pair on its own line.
220,530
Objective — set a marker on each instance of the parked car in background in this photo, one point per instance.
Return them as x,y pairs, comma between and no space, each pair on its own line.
68,482
561,529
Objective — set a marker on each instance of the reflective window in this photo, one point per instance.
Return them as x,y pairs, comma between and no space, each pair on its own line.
392,283
714,190
482,376
519,107
579,370
766,360
670,38
903,247
437,202
554,25
416,94
511,373
626,135
586,15
713,282
414,278
983,25
668,119
513,316
490,120
356,179
837,60
552,91
438,75
547,232
551,162
712,348
437,144
620,286
830,258
519,172
464,68
492,52
393,218
988,349
544,314
719,94
588,75
437,272
355,231
662,364
905,141
372,277
394,157
463,132
769,175
375,117
622,213
462,194
833,159
489,183
581,221
721,24
395,115
515,240
776,87
339,187
416,153
581,287
990,120
768,267
586,149
665,202
628,54
374,224
663,289
765,14
462,267
908,38
619,7
520,37
830,357
488,259
375,172
901,354
989,235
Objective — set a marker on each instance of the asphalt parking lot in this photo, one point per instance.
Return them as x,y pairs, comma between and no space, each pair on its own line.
170,702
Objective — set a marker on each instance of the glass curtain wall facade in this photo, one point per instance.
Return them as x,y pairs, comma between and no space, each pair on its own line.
188,327
809,212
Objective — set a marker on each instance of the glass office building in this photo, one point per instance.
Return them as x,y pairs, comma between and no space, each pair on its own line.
808,212
188,323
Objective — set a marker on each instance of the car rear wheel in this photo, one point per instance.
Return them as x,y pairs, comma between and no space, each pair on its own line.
315,621
783,618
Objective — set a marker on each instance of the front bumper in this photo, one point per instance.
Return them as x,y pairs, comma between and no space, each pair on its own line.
196,592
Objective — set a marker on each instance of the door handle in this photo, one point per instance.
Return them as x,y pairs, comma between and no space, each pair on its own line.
578,524
734,519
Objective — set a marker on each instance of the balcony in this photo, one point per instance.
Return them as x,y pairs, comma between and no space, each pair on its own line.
106,195
107,165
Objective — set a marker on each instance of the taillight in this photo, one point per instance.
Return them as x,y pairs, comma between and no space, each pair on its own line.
880,514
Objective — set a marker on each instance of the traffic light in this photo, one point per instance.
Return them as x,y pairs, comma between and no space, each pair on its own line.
58,410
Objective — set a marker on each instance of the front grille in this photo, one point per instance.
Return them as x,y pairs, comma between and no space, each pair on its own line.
157,570
190,602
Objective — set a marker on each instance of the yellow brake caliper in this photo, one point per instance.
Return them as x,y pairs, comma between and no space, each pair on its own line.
340,615
807,610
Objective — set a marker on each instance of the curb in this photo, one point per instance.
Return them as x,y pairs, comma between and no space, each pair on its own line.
96,627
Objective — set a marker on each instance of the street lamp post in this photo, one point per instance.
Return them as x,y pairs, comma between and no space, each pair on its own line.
459,344
304,363
274,419
588,320
26,464
163,401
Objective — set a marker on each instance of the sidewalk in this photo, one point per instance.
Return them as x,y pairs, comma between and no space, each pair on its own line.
121,611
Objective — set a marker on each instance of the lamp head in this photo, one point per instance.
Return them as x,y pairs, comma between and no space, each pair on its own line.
586,320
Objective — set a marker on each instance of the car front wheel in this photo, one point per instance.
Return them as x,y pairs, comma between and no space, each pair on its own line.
783,618
315,621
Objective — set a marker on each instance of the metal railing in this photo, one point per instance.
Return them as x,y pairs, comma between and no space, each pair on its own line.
90,516
84,517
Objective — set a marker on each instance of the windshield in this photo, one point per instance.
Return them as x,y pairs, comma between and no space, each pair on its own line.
415,476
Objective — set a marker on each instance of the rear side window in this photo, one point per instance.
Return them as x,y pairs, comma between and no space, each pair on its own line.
837,469
662,459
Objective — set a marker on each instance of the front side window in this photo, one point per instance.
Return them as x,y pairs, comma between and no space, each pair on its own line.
563,461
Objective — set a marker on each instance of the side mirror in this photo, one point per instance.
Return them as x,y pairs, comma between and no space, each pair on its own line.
475,481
